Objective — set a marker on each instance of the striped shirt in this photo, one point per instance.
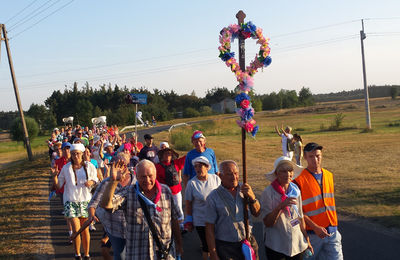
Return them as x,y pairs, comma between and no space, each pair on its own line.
139,241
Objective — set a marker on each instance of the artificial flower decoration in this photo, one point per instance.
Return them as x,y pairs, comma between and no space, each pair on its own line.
245,78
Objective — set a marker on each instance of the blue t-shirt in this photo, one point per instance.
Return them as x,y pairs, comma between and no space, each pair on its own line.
107,156
208,153
94,162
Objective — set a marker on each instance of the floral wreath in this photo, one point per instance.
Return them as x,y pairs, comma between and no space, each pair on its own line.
245,78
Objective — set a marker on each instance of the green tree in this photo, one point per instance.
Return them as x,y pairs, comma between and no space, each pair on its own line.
394,92
206,111
83,112
17,133
257,104
216,95
191,112
306,97
49,122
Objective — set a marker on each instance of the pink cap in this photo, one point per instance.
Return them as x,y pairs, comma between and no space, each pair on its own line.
197,134
128,146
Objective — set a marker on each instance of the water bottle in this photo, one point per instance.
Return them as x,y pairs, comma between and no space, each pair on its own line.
178,257
308,253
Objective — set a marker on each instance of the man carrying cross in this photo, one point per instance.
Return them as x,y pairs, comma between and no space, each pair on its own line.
225,226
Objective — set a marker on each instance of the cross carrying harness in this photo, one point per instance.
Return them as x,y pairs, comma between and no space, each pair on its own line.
162,252
171,174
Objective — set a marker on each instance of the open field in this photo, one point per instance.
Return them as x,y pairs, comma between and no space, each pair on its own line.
365,165
12,151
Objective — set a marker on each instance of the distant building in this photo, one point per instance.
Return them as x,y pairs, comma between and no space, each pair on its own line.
225,106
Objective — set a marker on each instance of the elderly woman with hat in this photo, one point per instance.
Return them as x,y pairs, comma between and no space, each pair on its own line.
169,172
78,177
285,236
196,194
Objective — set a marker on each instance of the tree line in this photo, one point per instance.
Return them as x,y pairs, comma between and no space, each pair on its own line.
86,102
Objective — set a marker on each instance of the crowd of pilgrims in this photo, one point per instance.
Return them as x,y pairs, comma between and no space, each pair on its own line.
136,191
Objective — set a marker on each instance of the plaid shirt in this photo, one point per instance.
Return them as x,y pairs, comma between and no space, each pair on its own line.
139,241
113,223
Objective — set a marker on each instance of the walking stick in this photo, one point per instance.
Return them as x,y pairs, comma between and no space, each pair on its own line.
83,227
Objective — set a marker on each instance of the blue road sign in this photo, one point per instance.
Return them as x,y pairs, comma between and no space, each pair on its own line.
137,98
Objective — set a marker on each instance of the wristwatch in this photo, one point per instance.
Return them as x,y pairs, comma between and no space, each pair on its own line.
253,201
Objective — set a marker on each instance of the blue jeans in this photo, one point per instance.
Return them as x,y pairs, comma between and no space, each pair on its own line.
327,248
118,246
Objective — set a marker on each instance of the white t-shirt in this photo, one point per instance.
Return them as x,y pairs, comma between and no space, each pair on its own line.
284,144
79,192
197,192
282,237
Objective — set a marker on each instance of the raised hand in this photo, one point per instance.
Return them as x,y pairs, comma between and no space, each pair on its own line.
118,169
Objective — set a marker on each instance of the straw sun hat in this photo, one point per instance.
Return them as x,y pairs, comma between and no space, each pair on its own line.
271,176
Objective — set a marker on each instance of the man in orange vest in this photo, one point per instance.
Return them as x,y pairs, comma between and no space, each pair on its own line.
317,192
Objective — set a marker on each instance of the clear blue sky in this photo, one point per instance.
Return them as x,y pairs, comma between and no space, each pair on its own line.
173,45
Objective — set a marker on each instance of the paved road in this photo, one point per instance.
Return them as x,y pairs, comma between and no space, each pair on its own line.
361,239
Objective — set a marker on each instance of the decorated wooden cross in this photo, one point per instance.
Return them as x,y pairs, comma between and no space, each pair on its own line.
244,76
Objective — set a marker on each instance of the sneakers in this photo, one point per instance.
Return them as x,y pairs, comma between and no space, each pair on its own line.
86,258
78,257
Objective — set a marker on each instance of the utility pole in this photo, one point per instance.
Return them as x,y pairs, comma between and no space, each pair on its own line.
240,16
366,95
21,112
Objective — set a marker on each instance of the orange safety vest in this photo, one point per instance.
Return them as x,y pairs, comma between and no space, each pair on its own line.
319,206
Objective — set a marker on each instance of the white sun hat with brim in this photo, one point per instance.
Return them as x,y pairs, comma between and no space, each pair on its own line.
202,159
107,145
164,144
77,147
271,176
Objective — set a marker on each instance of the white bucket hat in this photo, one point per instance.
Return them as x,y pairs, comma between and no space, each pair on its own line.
77,147
107,145
165,144
297,169
202,159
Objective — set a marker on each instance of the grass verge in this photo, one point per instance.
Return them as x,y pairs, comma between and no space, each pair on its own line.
24,209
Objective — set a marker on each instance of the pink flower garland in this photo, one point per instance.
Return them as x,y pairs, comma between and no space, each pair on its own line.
245,78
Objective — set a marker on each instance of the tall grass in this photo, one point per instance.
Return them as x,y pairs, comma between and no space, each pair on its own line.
39,143
181,139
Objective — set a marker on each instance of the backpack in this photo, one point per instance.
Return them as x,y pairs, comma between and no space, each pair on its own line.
290,145
171,174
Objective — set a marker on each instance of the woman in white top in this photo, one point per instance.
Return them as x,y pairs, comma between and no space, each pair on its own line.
197,190
78,178
285,236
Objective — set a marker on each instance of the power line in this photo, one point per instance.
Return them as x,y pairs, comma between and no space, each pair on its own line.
116,64
313,29
27,16
131,74
42,19
317,43
383,18
193,64
20,11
